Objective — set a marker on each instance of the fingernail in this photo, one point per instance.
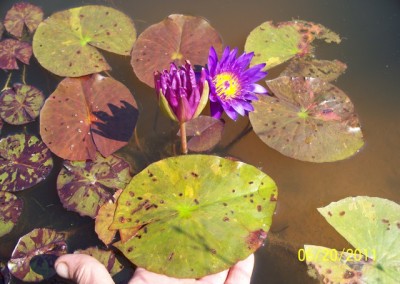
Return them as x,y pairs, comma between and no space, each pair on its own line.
62,270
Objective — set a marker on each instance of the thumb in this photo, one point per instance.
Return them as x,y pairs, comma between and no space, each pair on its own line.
82,269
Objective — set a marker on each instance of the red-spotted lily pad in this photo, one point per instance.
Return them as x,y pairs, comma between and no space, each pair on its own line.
10,210
21,14
66,43
372,226
24,162
37,242
177,38
195,215
83,186
107,258
308,119
11,50
20,104
275,44
87,114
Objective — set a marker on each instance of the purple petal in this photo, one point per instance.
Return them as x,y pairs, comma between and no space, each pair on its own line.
216,110
224,56
244,60
237,106
212,60
231,113
258,89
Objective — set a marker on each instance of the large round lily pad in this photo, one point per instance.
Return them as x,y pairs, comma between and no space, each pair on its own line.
11,50
83,186
37,242
275,44
87,114
22,14
175,39
195,215
20,104
66,43
107,258
24,162
308,119
10,210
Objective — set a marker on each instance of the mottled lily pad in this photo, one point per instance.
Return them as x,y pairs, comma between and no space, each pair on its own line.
24,162
37,242
83,186
87,114
107,258
275,44
11,50
177,38
21,14
66,43
10,210
20,104
372,226
212,211
308,119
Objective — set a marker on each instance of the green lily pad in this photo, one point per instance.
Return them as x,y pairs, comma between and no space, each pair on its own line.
87,114
24,162
20,104
10,210
21,14
275,44
213,212
107,258
37,242
372,226
308,119
66,43
11,50
177,38
83,186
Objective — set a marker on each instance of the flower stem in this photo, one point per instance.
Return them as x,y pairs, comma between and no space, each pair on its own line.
183,137
7,82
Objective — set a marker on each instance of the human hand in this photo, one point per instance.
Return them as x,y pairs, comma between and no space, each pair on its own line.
84,269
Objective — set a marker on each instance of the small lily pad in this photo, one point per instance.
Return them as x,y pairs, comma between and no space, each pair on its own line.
213,212
20,104
10,210
66,43
175,39
83,186
37,242
24,162
308,119
275,44
21,14
11,50
87,114
107,258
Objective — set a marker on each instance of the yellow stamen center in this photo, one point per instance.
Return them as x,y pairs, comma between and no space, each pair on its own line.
226,85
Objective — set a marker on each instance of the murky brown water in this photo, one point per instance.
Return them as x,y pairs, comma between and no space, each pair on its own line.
371,49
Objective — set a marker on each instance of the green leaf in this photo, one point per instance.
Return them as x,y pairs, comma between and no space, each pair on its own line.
10,210
195,215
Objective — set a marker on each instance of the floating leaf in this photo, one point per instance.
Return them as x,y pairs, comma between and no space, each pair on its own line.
20,104
309,119
66,43
11,50
24,162
177,38
310,67
83,186
37,242
107,258
87,114
213,212
10,210
275,44
22,14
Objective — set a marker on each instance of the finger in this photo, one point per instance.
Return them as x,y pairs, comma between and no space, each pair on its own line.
214,278
82,269
241,272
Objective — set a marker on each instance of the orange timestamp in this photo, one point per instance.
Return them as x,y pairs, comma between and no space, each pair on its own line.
329,255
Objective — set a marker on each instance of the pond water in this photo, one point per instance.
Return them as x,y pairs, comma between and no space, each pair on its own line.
371,50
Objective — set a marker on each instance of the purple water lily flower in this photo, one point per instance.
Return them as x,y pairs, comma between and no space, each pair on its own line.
182,93
232,83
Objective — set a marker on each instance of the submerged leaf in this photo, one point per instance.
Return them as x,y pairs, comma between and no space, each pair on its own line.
11,50
309,119
213,212
22,14
177,38
10,210
24,162
107,258
66,43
